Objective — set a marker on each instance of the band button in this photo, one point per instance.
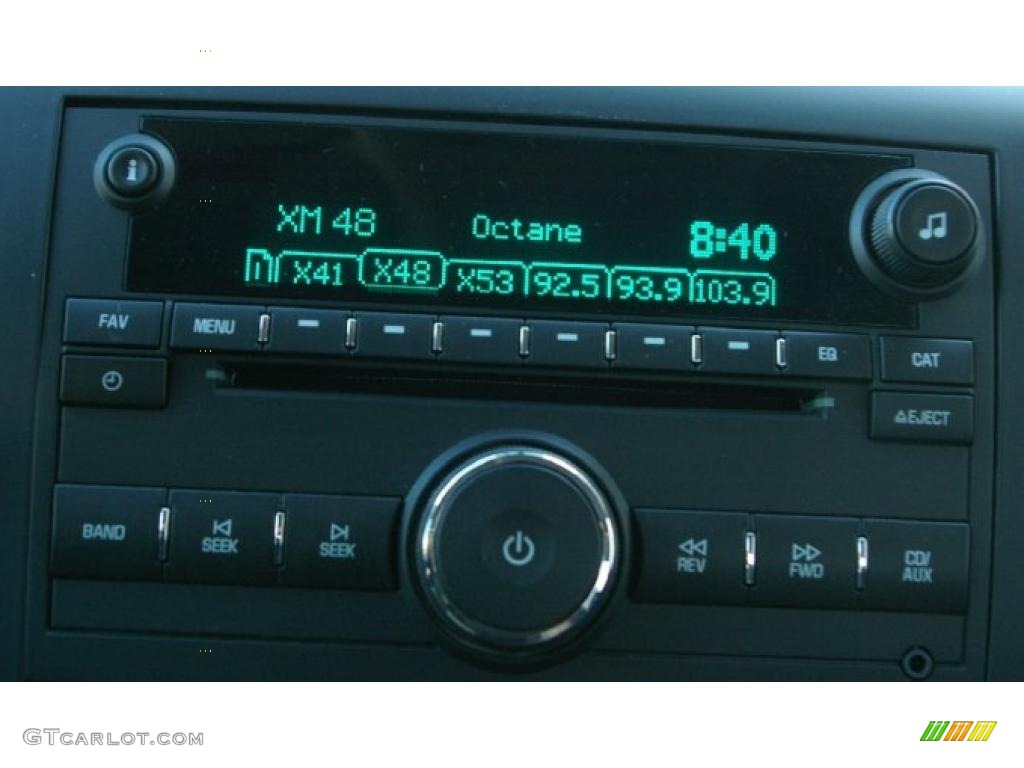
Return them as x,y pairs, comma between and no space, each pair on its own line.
106,532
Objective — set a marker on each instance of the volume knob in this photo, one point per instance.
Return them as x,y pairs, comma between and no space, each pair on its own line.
917,234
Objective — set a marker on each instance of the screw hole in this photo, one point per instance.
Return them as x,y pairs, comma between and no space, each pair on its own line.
917,664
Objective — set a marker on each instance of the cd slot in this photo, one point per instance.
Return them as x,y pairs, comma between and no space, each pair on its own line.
500,385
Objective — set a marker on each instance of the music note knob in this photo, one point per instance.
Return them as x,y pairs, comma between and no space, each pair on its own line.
916,234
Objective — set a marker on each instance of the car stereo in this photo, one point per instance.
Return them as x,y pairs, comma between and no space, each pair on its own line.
530,392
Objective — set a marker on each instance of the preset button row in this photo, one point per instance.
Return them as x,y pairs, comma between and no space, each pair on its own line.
226,537
650,346
724,558
514,341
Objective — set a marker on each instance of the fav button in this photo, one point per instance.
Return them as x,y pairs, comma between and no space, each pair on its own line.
917,566
119,382
342,542
805,562
222,327
691,557
929,361
113,323
106,532
222,536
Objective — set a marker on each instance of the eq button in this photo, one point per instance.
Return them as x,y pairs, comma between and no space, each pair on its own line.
828,355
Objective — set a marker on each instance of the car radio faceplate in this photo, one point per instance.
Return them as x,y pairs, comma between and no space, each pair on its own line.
253,391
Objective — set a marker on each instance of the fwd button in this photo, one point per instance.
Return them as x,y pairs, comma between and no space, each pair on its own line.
805,562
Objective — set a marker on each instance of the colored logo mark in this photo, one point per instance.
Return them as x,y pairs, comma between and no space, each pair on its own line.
958,730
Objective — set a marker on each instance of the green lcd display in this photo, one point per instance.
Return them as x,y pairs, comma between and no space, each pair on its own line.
516,223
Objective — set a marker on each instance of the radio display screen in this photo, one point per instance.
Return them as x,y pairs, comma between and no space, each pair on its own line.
515,222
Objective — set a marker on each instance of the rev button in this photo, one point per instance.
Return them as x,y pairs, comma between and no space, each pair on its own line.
691,557
222,536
